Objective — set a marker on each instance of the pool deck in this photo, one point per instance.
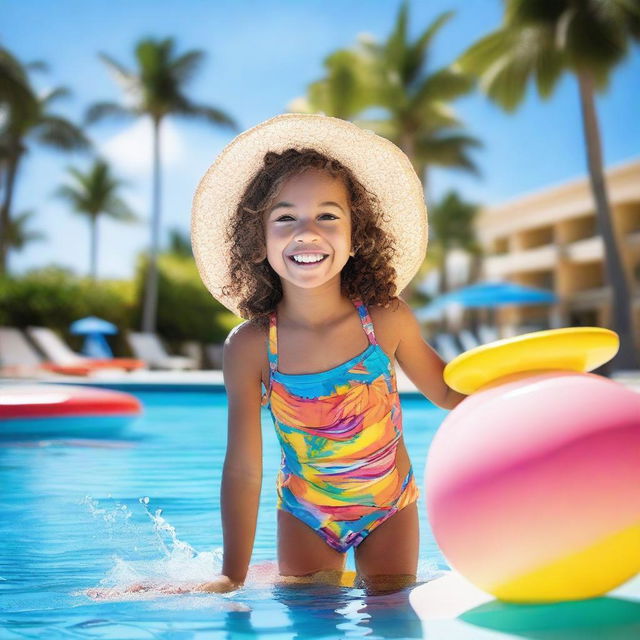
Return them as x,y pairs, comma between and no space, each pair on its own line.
209,380
201,380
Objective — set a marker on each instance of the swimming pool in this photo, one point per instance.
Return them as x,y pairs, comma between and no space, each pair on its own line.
78,513
81,513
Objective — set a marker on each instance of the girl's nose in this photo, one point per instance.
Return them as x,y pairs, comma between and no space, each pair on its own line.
306,229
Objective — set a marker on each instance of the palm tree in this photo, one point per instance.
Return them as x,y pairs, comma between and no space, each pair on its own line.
419,118
95,193
17,234
155,89
451,226
16,94
541,40
180,243
392,76
26,120
347,88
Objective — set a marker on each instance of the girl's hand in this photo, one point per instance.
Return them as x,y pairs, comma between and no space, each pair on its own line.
137,587
222,584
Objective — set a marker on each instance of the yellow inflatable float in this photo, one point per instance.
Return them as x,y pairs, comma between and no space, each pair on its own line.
570,349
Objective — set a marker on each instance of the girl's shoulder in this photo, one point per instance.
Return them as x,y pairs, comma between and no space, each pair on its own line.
244,346
388,321
247,329
389,313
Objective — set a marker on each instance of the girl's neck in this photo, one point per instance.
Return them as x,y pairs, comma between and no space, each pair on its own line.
313,308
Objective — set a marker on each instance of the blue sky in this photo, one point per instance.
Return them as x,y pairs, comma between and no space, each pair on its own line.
260,56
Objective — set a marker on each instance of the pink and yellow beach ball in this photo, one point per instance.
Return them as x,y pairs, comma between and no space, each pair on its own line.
533,482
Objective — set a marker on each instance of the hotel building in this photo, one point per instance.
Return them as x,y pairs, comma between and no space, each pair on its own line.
549,239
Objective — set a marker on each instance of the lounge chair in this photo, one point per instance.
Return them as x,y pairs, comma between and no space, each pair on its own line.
214,355
468,340
19,358
487,333
56,350
193,349
148,347
446,346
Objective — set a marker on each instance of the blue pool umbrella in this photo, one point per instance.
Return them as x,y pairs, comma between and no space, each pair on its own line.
95,344
486,295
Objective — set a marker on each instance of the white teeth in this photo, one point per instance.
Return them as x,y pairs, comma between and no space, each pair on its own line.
308,257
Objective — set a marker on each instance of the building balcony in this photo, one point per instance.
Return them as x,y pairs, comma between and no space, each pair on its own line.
542,258
587,250
633,239
538,259
589,298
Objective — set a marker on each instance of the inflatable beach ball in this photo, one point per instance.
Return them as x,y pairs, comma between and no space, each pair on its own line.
532,483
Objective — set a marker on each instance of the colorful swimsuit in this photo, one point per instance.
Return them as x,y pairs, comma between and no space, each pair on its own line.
339,431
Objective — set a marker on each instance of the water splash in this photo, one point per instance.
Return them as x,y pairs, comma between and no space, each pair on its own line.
115,518
178,569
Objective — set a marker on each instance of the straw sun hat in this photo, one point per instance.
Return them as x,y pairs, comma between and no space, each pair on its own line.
377,163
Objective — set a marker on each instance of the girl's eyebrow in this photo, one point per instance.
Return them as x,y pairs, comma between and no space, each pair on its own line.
292,206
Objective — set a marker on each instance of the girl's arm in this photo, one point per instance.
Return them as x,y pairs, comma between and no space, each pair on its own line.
242,471
420,362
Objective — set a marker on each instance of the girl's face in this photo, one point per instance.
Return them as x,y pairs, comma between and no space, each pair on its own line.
310,219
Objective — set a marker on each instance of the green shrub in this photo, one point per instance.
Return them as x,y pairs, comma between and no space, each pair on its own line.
54,297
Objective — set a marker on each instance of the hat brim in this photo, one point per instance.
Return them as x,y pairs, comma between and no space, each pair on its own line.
380,166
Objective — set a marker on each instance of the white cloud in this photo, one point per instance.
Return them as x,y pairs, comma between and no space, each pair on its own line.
131,150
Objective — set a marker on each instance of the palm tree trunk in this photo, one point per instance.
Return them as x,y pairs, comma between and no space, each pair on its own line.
443,280
408,145
151,289
94,247
426,185
475,268
5,210
626,358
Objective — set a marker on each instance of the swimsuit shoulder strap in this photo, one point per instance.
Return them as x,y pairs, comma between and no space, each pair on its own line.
272,342
365,319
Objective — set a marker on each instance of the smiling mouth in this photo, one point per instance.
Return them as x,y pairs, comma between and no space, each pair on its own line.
307,264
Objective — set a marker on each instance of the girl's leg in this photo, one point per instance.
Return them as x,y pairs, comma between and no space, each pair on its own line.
301,551
387,559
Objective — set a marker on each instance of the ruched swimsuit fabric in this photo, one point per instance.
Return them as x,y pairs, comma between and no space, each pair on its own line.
339,431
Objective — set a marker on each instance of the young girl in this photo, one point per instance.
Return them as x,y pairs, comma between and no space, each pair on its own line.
323,222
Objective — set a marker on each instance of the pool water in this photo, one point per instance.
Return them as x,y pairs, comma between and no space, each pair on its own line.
79,513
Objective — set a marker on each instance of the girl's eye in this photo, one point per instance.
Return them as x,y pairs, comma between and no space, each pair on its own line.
322,216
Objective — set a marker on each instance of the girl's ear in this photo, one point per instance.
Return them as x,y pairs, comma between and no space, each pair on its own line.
261,256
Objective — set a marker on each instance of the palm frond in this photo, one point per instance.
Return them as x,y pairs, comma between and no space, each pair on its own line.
38,65
417,57
448,150
59,133
395,47
71,195
206,113
104,110
117,209
16,91
122,75
187,65
17,235
54,94
444,84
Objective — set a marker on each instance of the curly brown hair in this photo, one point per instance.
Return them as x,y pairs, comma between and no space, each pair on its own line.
368,274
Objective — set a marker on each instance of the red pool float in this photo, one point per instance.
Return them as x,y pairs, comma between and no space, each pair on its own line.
51,409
